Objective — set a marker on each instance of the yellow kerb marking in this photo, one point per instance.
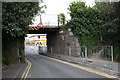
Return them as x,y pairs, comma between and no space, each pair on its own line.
25,74
83,68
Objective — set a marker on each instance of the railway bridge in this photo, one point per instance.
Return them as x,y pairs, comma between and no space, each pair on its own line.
58,39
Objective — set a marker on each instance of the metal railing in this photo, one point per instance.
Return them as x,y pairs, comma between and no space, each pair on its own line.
97,52
87,52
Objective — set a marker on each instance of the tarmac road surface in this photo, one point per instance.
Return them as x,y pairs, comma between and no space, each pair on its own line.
43,67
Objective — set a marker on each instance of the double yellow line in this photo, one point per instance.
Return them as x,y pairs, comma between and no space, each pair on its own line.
71,64
25,74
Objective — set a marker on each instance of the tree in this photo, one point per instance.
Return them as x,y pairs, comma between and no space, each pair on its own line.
61,19
85,22
17,16
111,24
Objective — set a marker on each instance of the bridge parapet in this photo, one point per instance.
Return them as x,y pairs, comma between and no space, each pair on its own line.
37,28
45,29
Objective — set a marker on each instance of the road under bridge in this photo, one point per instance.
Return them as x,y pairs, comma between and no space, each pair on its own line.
58,37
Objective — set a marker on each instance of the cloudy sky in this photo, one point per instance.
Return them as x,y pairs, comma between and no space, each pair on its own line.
55,7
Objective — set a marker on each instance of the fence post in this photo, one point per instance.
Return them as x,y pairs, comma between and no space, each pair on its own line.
112,53
86,52
69,51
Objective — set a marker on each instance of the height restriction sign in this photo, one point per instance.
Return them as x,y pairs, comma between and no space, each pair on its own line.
40,25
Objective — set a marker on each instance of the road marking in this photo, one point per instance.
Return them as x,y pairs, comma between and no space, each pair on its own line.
24,72
83,68
27,69
77,66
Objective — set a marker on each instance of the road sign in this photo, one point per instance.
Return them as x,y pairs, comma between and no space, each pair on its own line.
40,25
43,40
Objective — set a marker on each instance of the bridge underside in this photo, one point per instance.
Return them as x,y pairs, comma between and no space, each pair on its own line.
51,34
59,40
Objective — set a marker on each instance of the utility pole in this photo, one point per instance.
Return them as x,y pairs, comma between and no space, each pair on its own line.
40,19
40,24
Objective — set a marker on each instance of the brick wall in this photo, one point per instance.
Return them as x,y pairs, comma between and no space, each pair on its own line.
63,42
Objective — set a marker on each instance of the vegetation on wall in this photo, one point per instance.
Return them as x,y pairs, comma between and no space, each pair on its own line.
16,18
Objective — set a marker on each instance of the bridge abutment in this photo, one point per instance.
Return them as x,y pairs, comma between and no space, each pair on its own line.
63,42
60,40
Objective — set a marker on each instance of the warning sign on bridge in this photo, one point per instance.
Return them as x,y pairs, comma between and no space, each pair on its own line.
40,25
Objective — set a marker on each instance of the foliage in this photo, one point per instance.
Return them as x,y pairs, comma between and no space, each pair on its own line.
85,22
111,25
6,59
110,16
28,43
21,49
61,19
98,25
17,16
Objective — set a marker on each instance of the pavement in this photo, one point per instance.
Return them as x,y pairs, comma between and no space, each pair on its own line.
15,71
111,68
43,67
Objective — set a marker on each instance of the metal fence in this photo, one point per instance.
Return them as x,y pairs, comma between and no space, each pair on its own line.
87,52
97,52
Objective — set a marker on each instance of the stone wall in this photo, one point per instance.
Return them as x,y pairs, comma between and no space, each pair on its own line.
63,42
10,50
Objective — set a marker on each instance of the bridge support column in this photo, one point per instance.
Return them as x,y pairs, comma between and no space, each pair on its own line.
10,51
63,42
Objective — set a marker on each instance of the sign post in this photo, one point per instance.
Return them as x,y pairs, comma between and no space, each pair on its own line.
40,25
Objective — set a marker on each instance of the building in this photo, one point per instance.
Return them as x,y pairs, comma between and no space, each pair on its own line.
38,40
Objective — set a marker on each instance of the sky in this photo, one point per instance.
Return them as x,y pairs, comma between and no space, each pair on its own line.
55,7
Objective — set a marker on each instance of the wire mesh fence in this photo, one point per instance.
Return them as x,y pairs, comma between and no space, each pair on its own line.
97,52
87,52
